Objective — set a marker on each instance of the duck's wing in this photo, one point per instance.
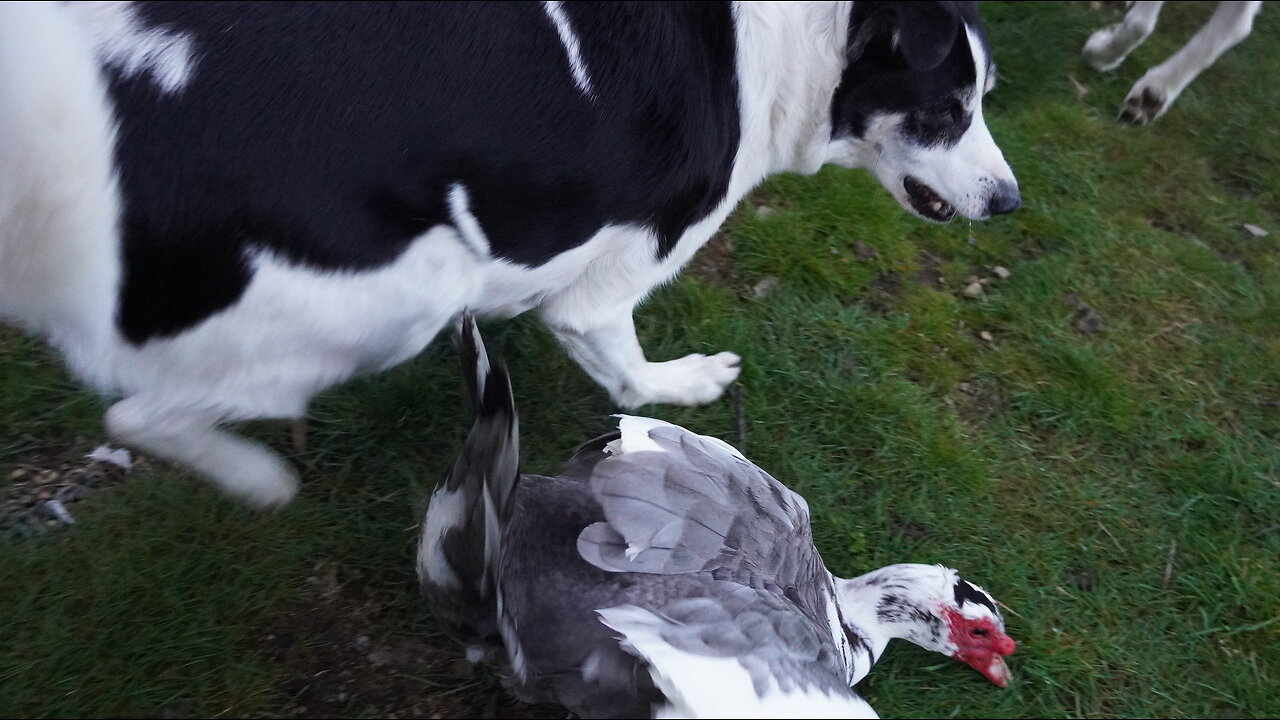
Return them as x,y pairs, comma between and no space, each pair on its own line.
678,502
739,652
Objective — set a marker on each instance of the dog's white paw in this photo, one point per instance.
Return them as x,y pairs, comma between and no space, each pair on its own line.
247,471
691,380
1108,47
1149,99
255,476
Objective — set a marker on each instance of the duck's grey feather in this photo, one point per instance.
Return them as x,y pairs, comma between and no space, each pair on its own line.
700,511
697,507
552,597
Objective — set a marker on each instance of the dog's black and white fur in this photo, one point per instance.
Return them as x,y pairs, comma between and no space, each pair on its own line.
217,210
1152,95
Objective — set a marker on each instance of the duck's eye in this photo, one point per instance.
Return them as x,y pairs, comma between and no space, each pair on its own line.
980,632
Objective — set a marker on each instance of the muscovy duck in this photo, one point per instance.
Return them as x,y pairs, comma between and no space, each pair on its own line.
663,574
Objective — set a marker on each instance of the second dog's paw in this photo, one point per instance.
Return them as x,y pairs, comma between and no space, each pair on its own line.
1148,100
691,380
1103,50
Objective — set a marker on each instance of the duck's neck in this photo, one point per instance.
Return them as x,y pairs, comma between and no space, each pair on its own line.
858,603
883,605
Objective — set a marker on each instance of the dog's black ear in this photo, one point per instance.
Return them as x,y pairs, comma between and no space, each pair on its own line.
925,32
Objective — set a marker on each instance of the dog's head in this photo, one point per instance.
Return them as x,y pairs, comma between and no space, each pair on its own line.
909,109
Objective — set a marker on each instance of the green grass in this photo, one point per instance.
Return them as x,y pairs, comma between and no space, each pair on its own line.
1023,461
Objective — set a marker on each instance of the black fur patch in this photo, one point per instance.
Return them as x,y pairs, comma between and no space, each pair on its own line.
329,134
881,77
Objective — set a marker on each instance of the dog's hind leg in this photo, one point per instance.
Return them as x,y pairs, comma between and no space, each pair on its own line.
243,469
1155,92
604,343
1108,47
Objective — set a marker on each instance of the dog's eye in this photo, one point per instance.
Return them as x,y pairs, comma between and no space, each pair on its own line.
950,111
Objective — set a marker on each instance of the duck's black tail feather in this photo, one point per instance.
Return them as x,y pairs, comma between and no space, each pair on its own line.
460,550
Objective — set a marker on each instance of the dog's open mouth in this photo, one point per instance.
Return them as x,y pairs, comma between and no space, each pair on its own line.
927,202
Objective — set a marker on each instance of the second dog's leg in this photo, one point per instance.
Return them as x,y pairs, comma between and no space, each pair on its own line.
1108,47
1155,92
607,348
246,470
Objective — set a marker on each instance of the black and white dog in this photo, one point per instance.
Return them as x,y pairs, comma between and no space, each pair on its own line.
215,210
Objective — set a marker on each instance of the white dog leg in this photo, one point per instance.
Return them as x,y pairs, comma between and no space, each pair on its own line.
1108,47
610,353
1155,92
243,469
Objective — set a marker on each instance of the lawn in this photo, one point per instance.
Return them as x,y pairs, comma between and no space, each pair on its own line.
1094,438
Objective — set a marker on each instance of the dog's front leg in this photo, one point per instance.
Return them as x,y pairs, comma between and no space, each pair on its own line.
1152,95
604,343
1108,47
244,469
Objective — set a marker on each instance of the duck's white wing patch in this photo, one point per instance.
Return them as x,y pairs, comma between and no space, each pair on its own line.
635,437
448,510
703,685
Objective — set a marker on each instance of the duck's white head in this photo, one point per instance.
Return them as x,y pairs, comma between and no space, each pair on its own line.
933,607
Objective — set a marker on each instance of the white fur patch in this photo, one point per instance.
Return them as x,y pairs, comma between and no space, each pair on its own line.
466,223
307,330
59,198
571,47
125,44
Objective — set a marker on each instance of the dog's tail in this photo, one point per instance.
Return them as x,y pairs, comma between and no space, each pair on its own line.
59,199
460,550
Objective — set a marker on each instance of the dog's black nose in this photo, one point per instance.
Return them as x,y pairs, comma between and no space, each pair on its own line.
1005,199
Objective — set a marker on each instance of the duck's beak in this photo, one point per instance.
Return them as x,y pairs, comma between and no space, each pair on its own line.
992,666
998,671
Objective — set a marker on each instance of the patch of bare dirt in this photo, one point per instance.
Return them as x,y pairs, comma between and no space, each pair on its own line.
928,273
1086,319
908,529
1084,578
38,493
864,252
342,654
713,262
879,296
977,402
